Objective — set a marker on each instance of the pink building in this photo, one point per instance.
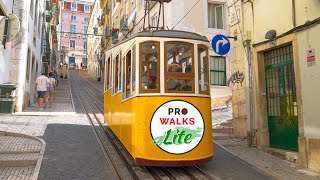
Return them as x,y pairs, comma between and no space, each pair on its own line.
73,27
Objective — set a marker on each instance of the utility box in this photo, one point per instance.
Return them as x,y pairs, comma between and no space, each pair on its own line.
7,97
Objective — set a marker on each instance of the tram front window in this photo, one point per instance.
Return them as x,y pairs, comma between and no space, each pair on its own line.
179,67
149,70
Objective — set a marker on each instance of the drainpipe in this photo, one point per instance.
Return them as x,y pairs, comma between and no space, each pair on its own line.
294,13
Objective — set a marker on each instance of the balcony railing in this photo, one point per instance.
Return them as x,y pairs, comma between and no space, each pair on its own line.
107,32
48,5
106,9
114,37
103,42
123,23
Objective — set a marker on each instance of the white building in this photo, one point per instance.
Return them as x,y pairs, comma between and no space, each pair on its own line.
21,61
5,10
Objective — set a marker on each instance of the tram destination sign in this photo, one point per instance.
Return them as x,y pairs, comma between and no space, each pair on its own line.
177,127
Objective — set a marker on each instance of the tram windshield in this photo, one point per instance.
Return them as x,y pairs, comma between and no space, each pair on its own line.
179,70
179,67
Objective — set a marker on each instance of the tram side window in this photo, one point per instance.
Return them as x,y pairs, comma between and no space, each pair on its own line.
203,69
123,77
133,69
120,73
128,75
149,67
108,74
179,74
116,74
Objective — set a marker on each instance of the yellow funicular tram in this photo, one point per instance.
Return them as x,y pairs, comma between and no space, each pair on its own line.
157,97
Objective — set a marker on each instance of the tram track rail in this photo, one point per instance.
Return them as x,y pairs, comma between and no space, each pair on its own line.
184,172
118,174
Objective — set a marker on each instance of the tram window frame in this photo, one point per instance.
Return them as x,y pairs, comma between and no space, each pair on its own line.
116,75
120,73
133,68
108,73
105,76
128,77
207,92
178,75
123,77
141,89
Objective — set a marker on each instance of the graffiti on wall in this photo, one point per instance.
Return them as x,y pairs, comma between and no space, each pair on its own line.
237,77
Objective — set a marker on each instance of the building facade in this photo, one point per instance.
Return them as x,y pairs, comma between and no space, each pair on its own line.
125,18
27,55
276,69
73,31
5,10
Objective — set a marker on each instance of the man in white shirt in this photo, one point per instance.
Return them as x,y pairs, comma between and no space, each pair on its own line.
42,82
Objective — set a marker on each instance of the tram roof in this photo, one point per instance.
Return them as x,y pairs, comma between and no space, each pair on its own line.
165,34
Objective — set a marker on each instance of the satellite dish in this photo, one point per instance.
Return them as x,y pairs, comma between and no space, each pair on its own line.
13,27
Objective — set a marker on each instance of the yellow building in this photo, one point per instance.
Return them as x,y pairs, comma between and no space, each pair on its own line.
277,108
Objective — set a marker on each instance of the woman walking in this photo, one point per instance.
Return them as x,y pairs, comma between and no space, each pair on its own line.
50,88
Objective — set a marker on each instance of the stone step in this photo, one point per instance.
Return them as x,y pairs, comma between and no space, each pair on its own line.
18,160
283,154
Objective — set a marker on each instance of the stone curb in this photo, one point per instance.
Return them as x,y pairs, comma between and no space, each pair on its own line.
259,168
41,154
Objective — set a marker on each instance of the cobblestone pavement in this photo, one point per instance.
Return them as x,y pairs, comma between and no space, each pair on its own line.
62,101
72,150
272,165
20,155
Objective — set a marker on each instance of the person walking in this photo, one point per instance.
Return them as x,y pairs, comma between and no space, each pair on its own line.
50,89
41,83
55,76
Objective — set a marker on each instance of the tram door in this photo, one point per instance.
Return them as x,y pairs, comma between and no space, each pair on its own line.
281,98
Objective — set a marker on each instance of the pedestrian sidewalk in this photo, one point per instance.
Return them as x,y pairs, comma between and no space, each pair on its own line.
62,102
272,165
20,156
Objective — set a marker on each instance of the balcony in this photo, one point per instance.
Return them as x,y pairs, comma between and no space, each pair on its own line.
95,30
107,32
123,23
101,20
48,5
48,18
106,9
102,42
114,37
44,58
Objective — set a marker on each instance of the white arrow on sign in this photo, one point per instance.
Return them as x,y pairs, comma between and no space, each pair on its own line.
223,41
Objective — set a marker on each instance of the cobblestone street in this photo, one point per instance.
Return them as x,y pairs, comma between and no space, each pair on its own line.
73,152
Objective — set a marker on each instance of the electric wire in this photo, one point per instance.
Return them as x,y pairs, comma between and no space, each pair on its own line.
185,14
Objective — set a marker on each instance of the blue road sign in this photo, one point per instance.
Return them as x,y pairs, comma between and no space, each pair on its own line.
220,44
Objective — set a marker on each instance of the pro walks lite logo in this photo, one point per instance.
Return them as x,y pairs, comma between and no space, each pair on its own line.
177,127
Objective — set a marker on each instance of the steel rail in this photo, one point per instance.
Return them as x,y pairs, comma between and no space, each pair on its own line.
150,169
133,174
100,140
